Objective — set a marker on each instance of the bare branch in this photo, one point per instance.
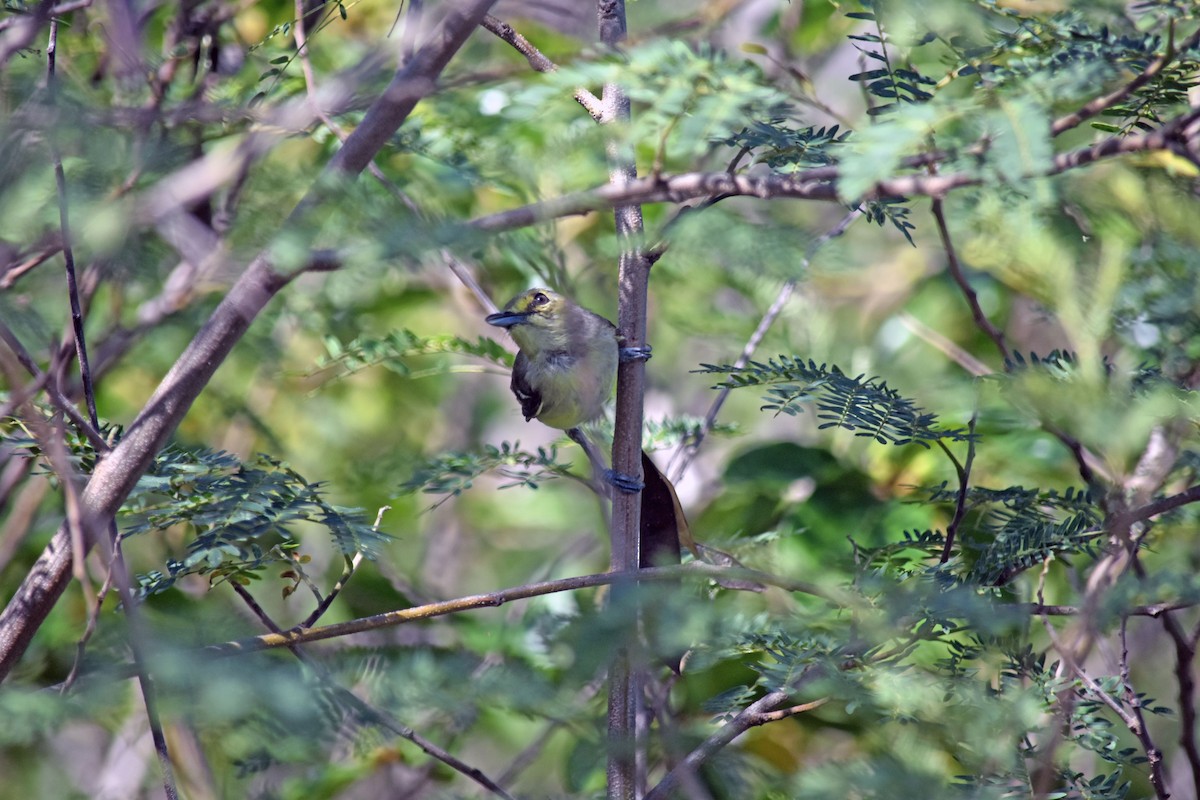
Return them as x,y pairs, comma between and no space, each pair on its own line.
757,713
956,271
817,184
57,398
693,570
59,10
1153,509
540,62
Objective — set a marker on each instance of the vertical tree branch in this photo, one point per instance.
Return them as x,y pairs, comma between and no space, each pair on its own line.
633,285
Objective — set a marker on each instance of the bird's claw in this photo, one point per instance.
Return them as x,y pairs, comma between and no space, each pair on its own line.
641,353
626,483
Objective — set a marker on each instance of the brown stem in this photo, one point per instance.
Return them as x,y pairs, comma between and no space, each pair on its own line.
964,487
757,713
956,271
820,183
694,570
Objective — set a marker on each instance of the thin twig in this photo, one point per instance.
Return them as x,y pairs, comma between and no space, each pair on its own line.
310,88
1153,509
693,570
351,565
964,486
1185,656
112,543
956,271
1089,465
760,712
57,398
51,11
467,279
1154,610
943,345
1131,719
540,62
1154,755
687,452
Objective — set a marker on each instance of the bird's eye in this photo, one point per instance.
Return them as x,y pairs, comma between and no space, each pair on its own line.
540,299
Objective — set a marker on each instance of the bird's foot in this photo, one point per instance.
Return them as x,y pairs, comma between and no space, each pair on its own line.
628,354
626,483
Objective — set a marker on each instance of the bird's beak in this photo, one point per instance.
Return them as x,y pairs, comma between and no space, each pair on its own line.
506,319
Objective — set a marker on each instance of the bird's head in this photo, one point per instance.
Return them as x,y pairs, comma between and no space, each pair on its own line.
531,315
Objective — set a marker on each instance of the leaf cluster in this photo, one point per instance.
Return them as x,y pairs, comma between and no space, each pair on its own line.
452,473
895,85
244,515
866,406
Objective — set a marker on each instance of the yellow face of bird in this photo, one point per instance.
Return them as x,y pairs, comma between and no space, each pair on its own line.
532,317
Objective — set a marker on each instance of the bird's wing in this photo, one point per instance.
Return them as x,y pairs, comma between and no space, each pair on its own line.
529,397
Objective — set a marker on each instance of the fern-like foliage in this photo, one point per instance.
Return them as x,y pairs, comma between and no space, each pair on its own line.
1063,365
1021,541
1020,500
894,85
883,210
866,406
1015,528
394,350
243,515
453,473
1068,56
786,148
1004,532
907,556
1057,363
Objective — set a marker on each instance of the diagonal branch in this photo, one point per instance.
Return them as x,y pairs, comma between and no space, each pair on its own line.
956,271
694,570
760,712
117,474
538,60
688,450
1104,102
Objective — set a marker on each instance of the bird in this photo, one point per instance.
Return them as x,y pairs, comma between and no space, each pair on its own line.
563,377
564,372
